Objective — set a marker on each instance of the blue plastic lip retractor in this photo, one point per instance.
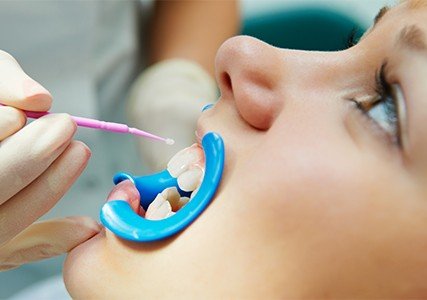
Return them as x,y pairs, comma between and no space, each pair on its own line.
118,216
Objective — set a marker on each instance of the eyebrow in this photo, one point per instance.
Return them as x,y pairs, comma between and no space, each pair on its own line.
377,18
412,37
381,14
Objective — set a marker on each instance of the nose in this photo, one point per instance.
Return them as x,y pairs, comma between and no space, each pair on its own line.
248,71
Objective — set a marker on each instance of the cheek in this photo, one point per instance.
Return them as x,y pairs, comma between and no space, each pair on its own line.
344,217
293,163
296,186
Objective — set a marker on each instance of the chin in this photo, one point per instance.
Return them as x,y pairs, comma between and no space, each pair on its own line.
82,268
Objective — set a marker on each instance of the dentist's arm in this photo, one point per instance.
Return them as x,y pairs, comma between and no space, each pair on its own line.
167,98
192,30
38,164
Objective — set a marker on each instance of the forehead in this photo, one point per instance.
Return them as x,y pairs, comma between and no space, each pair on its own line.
400,14
411,25
411,6
408,12
415,4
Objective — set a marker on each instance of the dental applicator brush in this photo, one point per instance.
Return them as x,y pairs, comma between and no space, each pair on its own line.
106,126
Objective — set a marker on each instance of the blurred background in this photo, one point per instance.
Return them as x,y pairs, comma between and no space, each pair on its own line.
300,24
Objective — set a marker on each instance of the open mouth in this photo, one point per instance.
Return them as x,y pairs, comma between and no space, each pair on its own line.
172,199
188,167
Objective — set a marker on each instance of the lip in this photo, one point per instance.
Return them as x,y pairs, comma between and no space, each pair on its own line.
126,191
200,131
198,138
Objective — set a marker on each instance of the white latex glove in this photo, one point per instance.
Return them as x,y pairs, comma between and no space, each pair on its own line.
38,163
167,99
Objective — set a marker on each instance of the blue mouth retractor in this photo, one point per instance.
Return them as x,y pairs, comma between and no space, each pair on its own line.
118,216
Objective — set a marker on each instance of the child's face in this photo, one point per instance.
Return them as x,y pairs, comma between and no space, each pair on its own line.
317,198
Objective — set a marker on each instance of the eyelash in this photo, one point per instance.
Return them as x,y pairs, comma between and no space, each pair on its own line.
352,38
385,96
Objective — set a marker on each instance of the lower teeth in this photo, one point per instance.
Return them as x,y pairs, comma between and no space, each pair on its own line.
166,204
188,167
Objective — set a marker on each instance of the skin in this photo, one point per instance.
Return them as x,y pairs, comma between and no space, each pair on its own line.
191,30
315,202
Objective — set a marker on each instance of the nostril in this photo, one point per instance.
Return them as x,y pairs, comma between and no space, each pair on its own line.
226,81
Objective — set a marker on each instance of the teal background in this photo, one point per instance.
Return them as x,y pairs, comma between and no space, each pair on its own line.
312,28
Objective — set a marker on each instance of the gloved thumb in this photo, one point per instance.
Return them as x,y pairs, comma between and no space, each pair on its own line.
46,239
19,90
167,99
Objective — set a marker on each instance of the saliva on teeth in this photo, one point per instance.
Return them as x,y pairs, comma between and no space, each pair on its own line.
188,166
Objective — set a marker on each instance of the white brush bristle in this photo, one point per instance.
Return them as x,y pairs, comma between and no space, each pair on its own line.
169,141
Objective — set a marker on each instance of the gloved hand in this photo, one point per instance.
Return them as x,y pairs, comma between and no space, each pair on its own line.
167,99
38,163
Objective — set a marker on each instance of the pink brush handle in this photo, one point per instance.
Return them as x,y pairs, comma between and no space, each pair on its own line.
102,125
107,126
86,122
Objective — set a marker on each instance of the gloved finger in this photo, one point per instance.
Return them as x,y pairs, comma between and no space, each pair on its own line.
46,239
11,120
176,90
30,151
43,193
19,90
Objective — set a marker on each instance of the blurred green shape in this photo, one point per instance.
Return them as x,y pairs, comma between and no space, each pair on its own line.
305,28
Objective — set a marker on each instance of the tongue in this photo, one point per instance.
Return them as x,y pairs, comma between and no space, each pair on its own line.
126,191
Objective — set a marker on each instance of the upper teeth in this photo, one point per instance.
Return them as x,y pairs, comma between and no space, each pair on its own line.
188,167
185,159
190,180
